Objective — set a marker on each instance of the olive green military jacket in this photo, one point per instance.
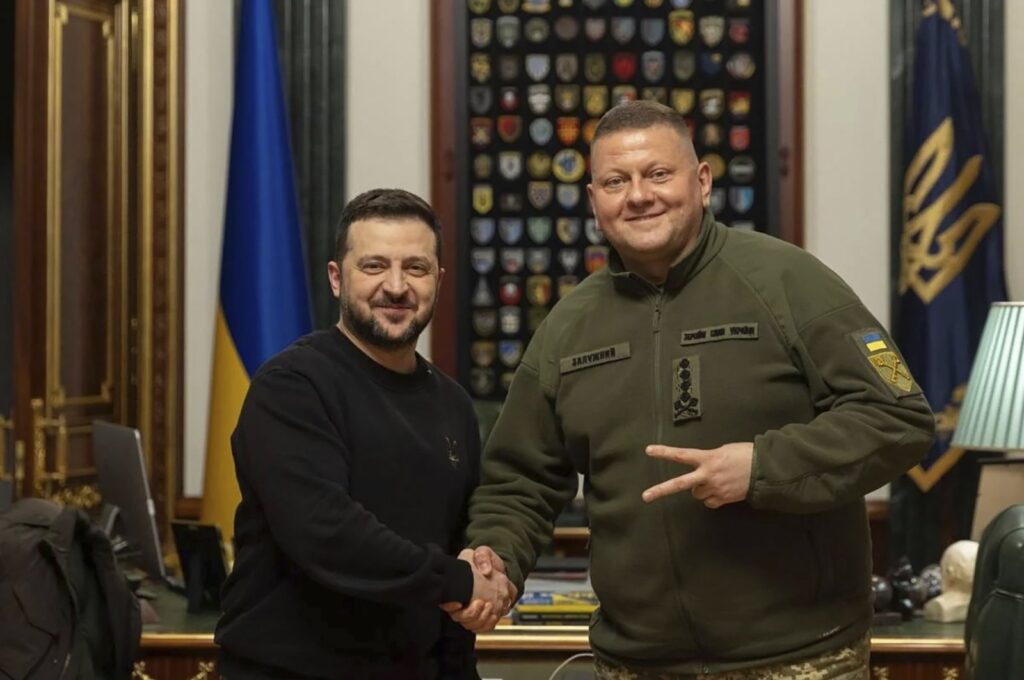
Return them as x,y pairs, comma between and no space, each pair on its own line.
749,339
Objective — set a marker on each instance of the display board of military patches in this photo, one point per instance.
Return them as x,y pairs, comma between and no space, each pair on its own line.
538,74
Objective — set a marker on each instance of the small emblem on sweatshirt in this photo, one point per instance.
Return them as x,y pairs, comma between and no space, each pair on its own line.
730,331
594,357
686,388
453,456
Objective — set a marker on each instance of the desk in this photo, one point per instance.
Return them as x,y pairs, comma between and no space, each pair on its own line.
180,647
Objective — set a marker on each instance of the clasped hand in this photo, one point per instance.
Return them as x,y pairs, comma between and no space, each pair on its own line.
493,593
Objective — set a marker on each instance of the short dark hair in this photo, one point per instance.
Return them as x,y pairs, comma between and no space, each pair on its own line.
640,115
384,204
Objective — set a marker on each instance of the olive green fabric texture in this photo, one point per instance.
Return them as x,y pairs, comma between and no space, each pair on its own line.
780,576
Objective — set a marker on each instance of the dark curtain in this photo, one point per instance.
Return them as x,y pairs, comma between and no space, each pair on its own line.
311,44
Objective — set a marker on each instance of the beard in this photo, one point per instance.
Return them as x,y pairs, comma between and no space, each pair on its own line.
366,327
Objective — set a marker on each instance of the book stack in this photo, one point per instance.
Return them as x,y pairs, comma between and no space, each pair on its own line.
555,608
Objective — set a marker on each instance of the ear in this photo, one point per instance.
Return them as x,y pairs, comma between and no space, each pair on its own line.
440,277
334,276
704,178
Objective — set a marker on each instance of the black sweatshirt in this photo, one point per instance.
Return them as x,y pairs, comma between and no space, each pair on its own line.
354,484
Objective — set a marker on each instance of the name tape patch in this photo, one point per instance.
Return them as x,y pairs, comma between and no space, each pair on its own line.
594,357
729,331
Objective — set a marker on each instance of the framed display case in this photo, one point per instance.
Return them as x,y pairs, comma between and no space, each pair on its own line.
518,87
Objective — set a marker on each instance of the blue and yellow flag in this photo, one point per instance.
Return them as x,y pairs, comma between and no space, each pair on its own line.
264,291
951,249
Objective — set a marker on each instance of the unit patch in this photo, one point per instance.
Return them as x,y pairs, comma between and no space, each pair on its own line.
686,403
729,331
594,357
880,354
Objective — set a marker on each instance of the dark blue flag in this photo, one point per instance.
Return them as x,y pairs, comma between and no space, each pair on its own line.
951,249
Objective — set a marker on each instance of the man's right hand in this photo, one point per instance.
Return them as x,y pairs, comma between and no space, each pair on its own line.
493,593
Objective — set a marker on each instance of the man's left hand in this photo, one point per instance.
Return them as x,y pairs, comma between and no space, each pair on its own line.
719,476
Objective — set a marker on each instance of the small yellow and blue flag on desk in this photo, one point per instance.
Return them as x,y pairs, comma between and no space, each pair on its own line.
264,290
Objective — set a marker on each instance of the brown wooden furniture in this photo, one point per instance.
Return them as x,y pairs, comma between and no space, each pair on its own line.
181,647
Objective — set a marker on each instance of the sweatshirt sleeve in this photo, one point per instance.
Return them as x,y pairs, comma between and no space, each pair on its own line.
527,477
873,422
292,460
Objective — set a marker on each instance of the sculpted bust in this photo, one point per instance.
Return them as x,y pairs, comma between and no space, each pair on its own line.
957,578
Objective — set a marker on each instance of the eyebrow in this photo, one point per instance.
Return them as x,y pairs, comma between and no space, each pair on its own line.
412,259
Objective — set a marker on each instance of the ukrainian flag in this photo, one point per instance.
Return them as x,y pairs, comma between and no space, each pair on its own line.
264,293
874,342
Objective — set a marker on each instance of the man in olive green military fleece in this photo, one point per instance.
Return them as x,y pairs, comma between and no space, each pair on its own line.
729,401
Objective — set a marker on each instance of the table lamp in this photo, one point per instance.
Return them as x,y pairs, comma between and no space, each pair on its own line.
992,415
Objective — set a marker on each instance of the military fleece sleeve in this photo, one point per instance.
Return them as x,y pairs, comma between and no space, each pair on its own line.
527,477
873,423
292,458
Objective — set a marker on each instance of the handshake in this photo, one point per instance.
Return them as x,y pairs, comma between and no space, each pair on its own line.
493,593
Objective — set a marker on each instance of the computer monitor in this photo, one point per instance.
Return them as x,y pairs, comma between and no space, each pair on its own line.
121,473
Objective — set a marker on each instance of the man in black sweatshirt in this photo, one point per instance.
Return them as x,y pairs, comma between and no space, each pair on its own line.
355,458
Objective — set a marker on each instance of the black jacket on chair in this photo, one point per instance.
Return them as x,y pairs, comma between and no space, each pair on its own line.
65,608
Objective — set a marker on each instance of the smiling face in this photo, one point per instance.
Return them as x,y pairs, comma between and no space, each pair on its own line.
648,193
387,281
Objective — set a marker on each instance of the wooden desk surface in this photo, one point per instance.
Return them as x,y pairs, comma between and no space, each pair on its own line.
181,630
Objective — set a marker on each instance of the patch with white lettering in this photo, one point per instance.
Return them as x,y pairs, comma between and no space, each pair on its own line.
594,357
686,403
729,331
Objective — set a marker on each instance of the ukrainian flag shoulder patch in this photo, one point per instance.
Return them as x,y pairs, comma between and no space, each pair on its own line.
882,357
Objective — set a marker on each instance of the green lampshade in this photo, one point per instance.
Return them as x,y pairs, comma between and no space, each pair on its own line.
992,416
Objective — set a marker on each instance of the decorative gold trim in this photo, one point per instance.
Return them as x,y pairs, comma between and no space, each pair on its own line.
5,426
572,533
61,14
880,673
205,668
145,300
950,673
949,645
125,19
926,479
86,496
177,641
171,455
139,671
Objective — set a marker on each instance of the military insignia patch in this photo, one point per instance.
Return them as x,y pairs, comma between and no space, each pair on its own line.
480,32
594,28
510,290
683,100
624,65
686,404
567,28
681,26
483,165
567,195
512,261
482,259
482,229
538,228
483,352
509,99
652,31
507,31
594,67
538,165
541,131
508,67
566,284
538,289
595,99
652,65
568,229
538,260
483,198
882,357
539,98
482,381
655,94
538,66
568,166
480,99
567,97
589,128
480,67
510,229
623,29
482,296
684,64
510,320
511,202
540,194
485,322
510,352
595,258
566,66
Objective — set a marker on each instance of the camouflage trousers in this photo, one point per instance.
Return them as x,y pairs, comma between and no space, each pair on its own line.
847,663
